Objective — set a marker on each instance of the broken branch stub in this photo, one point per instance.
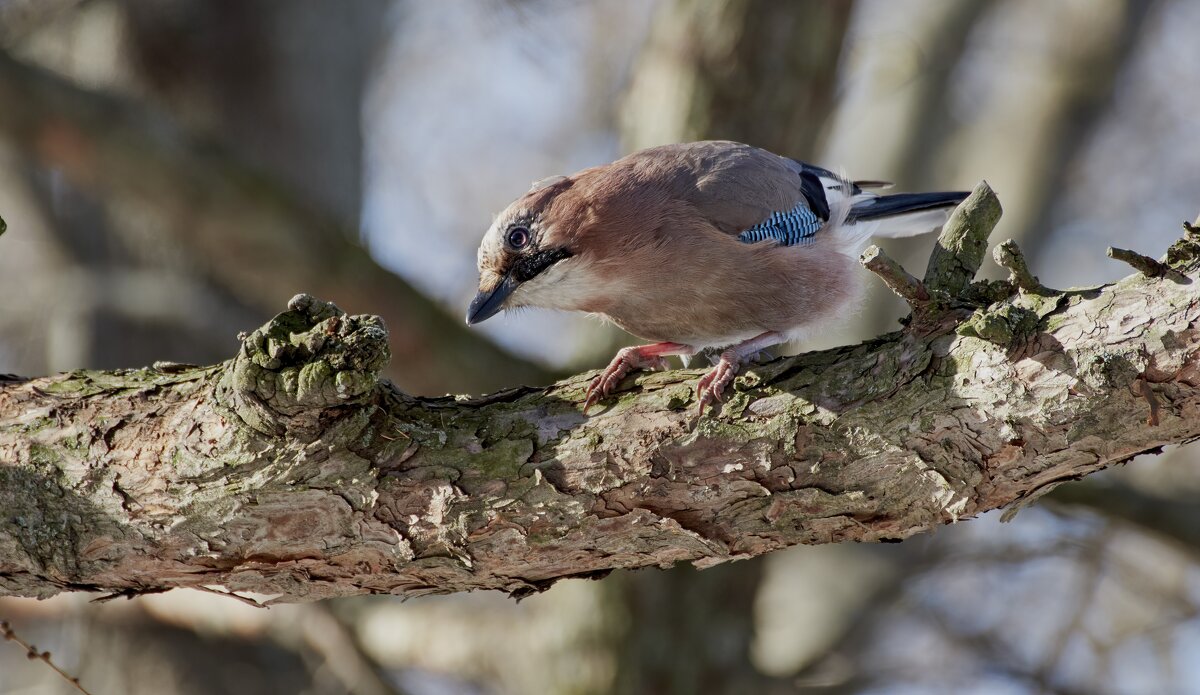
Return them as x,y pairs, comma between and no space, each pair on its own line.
1008,256
895,277
962,244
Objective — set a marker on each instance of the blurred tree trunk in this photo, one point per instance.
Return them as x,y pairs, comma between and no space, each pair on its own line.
762,73
279,83
901,135
688,631
1088,70
757,72
162,241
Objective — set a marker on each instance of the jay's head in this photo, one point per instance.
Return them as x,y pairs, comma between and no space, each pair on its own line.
528,256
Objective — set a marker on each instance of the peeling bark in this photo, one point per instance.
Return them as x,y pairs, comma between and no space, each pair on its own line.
292,470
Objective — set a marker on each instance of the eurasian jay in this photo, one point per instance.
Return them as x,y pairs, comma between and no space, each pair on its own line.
694,246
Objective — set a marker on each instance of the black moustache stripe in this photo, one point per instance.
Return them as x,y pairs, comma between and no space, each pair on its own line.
530,266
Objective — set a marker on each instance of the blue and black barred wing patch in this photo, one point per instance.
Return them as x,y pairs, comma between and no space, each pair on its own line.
796,226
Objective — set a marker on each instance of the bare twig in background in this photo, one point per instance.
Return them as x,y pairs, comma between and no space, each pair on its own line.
1173,521
341,653
8,633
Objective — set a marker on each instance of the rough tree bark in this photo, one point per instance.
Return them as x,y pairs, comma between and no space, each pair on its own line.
292,470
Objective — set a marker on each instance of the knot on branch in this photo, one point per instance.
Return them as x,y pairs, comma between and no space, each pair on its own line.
307,359
1001,325
1184,255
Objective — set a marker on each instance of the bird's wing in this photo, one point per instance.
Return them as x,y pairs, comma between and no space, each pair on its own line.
748,192
789,228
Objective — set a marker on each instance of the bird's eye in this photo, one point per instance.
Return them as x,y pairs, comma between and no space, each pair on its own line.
518,237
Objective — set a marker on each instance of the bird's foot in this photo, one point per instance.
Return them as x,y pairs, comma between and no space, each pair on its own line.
711,388
627,360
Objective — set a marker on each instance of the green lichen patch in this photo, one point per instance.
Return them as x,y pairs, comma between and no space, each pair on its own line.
44,458
1111,370
501,460
860,377
1002,325
1184,254
987,292
47,521
32,426
590,440
677,397
83,383
491,444
719,428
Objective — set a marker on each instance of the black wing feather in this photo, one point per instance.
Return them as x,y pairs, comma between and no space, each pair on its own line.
814,193
900,203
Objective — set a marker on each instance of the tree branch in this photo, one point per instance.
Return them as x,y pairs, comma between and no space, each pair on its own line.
897,279
292,470
1008,256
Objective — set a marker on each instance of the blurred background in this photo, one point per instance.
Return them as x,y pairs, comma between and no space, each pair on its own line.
172,171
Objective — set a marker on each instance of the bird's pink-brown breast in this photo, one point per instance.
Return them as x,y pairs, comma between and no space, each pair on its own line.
668,273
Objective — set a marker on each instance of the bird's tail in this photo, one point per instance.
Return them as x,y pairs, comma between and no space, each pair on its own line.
903,214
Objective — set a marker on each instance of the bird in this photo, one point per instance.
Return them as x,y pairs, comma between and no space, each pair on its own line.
711,246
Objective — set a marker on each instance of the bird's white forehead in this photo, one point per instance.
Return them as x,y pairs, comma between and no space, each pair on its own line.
518,213
492,244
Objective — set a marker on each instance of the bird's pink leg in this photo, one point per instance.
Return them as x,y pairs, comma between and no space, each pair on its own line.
713,384
628,359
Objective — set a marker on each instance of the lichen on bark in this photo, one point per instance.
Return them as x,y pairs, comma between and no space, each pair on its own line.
292,470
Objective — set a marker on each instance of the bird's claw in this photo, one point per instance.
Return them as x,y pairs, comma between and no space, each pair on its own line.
711,388
604,384
626,360
596,390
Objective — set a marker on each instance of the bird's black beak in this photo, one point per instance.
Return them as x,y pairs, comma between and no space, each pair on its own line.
488,302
